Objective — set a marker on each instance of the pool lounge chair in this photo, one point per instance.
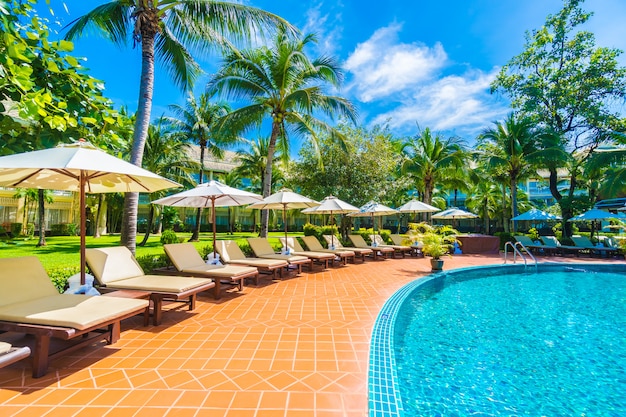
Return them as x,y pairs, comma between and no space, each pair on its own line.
115,268
416,247
10,354
334,243
231,253
359,242
397,249
188,262
534,247
316,257
31,305
583,242
313,244
263,249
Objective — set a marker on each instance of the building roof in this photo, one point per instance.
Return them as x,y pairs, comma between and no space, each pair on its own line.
211,163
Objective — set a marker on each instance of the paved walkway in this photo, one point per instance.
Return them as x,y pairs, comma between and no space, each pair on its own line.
297,347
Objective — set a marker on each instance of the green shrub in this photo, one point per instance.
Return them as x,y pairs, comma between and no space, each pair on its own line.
60,276
311,230
64,229
533,234
504,237
168,237
245,248
150,262
16,229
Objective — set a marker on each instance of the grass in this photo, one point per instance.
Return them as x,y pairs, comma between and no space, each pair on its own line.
63,252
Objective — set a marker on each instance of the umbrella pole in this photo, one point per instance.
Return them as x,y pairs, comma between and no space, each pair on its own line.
213,221
82,226
285,224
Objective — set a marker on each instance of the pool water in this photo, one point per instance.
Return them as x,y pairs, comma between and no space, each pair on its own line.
515,344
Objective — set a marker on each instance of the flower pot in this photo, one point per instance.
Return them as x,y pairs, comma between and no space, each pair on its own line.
436,264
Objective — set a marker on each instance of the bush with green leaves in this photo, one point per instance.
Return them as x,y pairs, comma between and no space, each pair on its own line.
64,229
150,262
168,237
60,276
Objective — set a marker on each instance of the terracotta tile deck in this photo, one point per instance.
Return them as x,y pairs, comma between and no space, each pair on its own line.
297,347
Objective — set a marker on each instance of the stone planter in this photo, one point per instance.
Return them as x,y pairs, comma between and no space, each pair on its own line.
436,264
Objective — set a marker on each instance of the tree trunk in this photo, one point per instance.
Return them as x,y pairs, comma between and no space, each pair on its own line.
42,218
195,236
267,176
96,227
505,223
146,89
148,226
514,203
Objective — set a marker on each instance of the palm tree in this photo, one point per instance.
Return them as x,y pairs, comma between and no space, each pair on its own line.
429,157
196,122
166,154
512,146
168,30
287,87
483,200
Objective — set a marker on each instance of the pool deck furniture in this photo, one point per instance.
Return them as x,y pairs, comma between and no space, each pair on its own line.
477,243
360,253
31,305
359,242
231,253
188,262
263,249
536,248
10,354
343,254
584,243
416,248
397,249
321,258
116,268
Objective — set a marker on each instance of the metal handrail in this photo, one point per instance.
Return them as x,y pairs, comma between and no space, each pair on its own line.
516,252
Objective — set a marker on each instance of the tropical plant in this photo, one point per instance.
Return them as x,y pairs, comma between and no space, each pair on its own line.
167,154
195,122
568,85
168,30
428,156
286,86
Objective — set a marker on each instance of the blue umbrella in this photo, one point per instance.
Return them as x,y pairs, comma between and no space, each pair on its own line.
536,214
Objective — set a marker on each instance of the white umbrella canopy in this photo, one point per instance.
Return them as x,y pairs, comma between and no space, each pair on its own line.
454,213
372,209
79,167
331,205
284,199
593,215
536,214
210,194
416,206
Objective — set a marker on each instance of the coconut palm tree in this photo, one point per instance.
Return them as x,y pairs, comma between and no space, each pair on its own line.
166,154
513,146
428,157
285,86
168,31
195,122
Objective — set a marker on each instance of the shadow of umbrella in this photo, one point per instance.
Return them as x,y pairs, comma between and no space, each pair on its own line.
80,167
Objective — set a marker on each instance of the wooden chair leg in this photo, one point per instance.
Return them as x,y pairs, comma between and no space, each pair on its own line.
40,355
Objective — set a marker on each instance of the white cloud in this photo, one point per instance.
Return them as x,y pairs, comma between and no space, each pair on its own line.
381,66
410,80
327,27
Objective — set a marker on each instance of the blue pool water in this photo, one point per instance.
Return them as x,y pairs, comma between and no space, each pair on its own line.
491,342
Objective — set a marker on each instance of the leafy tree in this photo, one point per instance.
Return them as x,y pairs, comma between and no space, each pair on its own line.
285,85
567,84
196,122
168,31
483,199
428,157
166,154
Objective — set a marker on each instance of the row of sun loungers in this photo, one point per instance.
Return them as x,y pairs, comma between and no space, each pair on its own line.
551,246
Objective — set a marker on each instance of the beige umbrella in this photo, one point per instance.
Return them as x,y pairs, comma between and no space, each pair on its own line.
416,206
330,205
78,167
454,213
210,194
284,199
372,209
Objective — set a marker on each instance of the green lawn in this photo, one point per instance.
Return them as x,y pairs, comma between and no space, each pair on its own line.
63,251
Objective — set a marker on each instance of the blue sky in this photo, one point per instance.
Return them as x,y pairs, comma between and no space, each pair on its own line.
407,62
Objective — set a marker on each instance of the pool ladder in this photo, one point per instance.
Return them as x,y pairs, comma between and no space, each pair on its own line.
517,252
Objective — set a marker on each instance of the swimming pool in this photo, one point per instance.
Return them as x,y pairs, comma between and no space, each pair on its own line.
497,341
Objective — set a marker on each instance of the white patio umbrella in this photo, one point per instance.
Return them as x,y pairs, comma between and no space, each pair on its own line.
453,214
210,194
416,206
536,214
372,209
80,167
284,199
331,205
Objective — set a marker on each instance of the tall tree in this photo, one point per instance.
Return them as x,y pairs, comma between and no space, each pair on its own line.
168,30
285,85
168,155
428,157
196,122
567,84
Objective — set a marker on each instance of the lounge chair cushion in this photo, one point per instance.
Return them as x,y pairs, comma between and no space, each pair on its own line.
186,258
4,347
230,252
115,267
262,248
24,279
295,248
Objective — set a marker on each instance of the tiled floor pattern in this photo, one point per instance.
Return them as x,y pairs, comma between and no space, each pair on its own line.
297,347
